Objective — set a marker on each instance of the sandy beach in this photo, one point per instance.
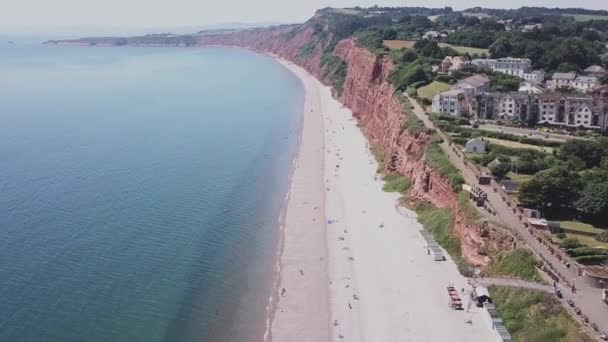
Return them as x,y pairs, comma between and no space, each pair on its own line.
352,265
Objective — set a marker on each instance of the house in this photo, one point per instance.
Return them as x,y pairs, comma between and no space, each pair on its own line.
452,102
561,80
430,35
595,70
585,83
531,87
475,145
473,84
509,186
536,76
531,27
453,63
494,163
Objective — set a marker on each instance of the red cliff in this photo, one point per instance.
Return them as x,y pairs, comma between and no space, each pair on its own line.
371,97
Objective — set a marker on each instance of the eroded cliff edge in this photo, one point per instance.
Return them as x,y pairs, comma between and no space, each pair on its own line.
366,90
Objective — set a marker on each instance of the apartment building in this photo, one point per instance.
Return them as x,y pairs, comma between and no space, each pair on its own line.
452,102
507,65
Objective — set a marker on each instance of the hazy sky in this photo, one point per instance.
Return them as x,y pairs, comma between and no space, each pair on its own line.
171,13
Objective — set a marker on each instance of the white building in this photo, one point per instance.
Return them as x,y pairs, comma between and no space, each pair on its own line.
536,76
508,65
531,87
476,145
513,66
585,83
561,80
452,102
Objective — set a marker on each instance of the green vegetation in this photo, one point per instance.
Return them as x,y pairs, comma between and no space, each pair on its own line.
465,205
534,316
372,40
581,227
466,49
334,69
519,263
570,243
587,17
428,91
380,155
440,223
438,160
413,125
396,183
504,82
307,49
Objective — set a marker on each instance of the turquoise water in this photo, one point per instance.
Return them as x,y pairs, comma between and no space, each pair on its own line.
140,190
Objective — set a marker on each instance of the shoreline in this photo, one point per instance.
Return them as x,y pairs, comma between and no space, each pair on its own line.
301,268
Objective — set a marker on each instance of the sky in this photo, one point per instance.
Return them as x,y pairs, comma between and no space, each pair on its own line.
36,14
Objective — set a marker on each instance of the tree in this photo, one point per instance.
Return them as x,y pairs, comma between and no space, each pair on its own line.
500,170
594,201
553,188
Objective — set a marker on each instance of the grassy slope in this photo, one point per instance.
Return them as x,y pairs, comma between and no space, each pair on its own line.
519,263
396,183
429,90
533,316
465,49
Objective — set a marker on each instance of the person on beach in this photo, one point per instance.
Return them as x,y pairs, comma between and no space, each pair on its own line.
283,291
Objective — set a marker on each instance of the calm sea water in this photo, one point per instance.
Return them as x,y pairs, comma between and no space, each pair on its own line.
140,190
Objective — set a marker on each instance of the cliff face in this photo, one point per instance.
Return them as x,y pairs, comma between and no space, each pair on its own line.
370,96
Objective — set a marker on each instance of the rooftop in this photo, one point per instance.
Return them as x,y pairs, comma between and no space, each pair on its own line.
476,80
564,76
595,69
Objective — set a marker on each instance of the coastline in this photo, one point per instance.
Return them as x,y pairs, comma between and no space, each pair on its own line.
365,275
302,311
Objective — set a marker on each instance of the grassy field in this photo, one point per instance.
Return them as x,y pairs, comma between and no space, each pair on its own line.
429,90
517,177
515,144
533,316
466,49
580,226
589,241
520,263
399,44
585,17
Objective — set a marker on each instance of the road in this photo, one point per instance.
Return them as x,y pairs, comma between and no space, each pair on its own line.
587,298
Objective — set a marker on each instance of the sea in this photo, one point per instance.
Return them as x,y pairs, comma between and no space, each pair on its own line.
141,190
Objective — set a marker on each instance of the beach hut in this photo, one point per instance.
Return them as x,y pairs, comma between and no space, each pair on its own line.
481,295
437,253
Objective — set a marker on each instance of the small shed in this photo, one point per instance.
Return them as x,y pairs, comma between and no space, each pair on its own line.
509,186
475,145
485,179
532,213
494,163
554,227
